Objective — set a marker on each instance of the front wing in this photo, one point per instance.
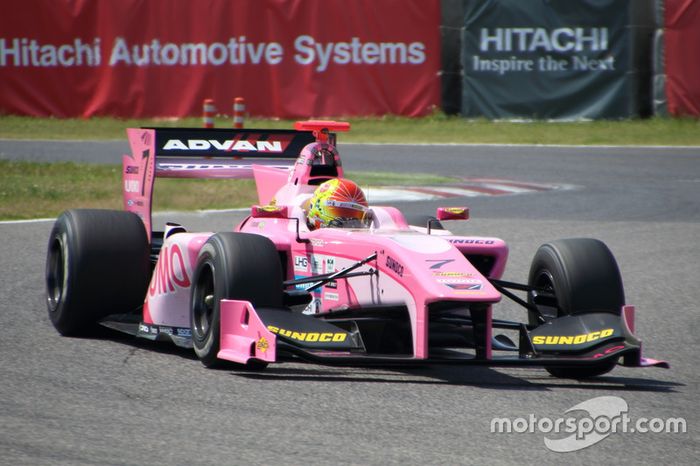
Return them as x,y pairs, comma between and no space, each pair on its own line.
274,335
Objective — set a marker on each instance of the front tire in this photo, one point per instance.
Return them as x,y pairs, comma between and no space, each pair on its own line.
580,276
97,264
231,266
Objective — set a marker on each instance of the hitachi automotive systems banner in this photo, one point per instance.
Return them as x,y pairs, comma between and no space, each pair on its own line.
292,58
548,59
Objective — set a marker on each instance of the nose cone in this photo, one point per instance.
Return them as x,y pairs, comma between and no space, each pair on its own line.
441,271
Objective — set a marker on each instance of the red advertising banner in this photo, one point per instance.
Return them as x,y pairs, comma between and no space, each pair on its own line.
287,58
682,39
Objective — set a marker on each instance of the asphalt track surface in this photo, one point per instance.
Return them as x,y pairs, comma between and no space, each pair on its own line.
120,401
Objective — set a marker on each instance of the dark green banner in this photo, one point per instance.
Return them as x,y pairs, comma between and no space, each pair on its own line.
552,59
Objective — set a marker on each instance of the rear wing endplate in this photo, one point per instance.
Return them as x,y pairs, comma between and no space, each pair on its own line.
200,153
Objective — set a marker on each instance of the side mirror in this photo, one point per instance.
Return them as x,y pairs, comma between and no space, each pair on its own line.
269,211
452,213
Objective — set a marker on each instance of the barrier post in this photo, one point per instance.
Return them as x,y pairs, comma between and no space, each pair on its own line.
238,112
208,111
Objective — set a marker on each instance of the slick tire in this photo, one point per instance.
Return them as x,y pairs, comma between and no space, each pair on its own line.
231,266
97,264
582,276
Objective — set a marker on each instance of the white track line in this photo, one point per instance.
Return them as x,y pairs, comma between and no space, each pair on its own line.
33,220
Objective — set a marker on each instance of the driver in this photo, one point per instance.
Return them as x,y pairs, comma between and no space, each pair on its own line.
338,203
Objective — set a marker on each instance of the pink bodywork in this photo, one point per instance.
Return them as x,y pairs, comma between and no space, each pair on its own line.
413,269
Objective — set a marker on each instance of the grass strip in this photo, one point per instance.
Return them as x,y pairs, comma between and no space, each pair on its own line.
438,128
40,190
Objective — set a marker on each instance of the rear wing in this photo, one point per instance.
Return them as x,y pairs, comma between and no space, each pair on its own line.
201,153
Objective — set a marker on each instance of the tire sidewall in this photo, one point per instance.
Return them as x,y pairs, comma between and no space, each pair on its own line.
584,274
57,303
585,278
243,266
547,261
206,344
104,259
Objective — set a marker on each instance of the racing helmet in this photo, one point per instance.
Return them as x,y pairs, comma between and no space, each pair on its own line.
338,203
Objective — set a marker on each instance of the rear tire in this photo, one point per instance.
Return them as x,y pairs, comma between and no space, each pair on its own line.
97,264
231,266
582,276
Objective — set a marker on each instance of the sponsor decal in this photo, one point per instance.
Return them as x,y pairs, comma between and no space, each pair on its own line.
321,55
331,296
528,39
438,263
571,339
608,351
165,330
262,345
170,273
311,337
240,145
465,286
472,241
271,208
301,286
32,53
131,170
524,42
166,166
394,265
301,264
321,263
233,51
333,285
314,307
304,286
146,139
317,242
473,281
132,186
451,274
316,264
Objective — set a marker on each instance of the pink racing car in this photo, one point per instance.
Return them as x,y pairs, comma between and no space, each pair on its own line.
389,290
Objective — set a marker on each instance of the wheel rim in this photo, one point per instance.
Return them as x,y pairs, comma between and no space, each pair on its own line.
544,285
203,303
55,274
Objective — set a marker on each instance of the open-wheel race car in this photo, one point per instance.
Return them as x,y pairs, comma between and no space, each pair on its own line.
368,287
